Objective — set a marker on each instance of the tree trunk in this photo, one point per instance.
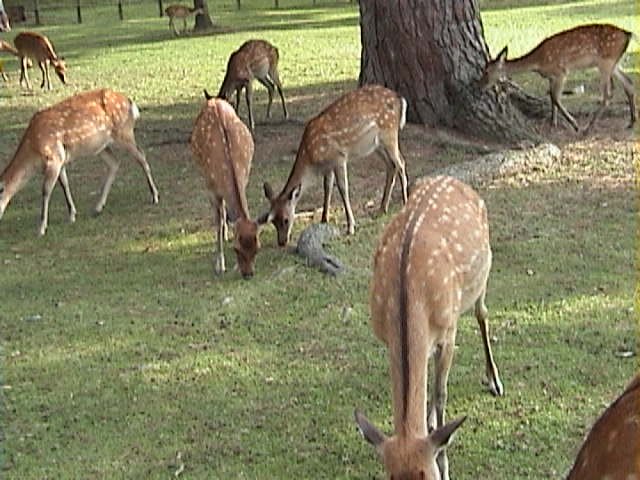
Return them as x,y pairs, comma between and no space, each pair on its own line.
433,53
203,20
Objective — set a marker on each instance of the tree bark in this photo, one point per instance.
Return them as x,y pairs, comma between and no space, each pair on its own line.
433,52
203,20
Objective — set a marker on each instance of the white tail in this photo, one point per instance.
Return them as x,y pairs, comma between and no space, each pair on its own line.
86,124
4,19
359,123
223,149
32,45
431,265
586,46
254,59
611,450
183,12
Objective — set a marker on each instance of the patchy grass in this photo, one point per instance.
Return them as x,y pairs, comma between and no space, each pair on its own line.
124,357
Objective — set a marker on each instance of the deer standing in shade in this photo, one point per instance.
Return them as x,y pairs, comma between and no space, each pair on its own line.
359,123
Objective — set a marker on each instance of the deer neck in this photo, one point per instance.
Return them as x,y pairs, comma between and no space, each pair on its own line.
525,63
299,174
410,348
15,175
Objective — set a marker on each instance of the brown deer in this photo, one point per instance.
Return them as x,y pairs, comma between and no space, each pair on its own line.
223,149
431,265
612,448
38,47
183,12
86,124
359,123
586,46
254,59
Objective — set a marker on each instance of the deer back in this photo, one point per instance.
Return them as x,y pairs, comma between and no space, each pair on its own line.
611,450
35,45
223,149
431,264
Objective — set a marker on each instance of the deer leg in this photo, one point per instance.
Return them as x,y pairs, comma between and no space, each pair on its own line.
495,385
270,88
343,187
557,84
627,85
276,80
51,173
184,26
328,189
248,94
443,361
113,164
129,144
221,210
172,25
390,180
64,183
23,72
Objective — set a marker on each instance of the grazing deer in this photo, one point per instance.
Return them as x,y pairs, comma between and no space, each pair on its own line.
600,46
612,447
254,59
183,12
86,124
5,26
223,149
38,47
431,265
359,123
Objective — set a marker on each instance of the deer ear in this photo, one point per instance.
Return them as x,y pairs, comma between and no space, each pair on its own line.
442,437
371,434
266,217
294,196
207,95
502,56
268,191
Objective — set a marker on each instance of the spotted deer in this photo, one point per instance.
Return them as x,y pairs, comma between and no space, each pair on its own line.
223,149
254,59
86,124
181,12
600,46
38,47
431,265
359,123
611,450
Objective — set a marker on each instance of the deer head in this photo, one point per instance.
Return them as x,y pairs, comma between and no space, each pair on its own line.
246,245
494,70
406,457
60,67
282,211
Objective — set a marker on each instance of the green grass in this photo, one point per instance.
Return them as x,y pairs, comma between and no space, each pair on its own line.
121,350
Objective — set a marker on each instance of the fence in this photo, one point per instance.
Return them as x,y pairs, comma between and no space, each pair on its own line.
55,12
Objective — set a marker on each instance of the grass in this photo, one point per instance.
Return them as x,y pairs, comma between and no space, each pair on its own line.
124,357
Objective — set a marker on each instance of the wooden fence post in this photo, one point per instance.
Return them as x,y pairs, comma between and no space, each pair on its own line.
78,11
160,7
238,2
277,4
120,11
36,11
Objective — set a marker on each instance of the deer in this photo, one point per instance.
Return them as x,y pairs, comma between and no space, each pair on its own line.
38,47
611,450
586,46
86,124
223,148
359,123
431,264
254,59
183,12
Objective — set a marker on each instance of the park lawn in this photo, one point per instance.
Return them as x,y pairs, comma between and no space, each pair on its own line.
123,356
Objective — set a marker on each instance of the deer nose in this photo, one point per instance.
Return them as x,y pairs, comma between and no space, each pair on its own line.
247,275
